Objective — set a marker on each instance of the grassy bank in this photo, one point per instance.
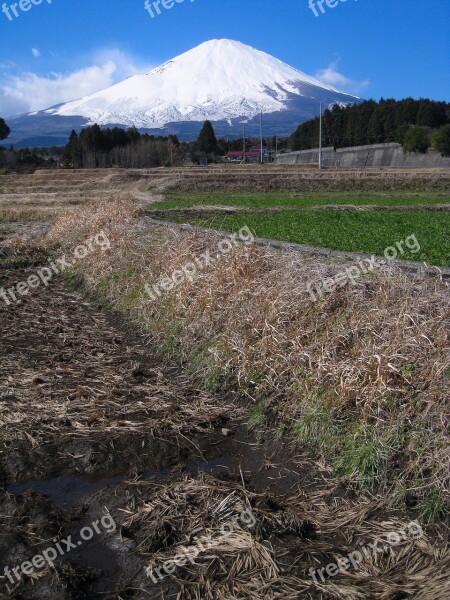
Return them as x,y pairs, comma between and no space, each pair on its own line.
359,374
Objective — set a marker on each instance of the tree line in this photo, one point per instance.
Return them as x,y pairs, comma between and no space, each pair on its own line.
415,124
96,147
24,159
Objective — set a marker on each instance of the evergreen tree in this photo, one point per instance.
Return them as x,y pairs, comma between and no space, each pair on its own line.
4,130
440,140
206,141
372,123
338,126
431,114
174,140
91,138
72,155
133,134
375,128
389,120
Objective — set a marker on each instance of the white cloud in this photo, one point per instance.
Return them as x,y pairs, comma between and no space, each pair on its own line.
331,76
27,91
7,64
126,65
35,52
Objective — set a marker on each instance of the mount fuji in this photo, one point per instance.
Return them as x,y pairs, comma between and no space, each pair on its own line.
223,81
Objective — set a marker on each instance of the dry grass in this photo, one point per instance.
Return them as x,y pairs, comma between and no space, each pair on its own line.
12,215
270,556
92,393
269,178
193,512
360,374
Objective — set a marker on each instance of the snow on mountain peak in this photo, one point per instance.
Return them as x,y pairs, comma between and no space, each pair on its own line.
219,79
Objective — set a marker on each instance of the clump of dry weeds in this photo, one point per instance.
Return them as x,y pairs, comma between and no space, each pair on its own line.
197,525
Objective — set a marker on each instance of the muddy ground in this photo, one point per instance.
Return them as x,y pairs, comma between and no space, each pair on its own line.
91,423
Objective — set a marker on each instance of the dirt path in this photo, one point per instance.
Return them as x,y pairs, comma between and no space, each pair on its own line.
85,410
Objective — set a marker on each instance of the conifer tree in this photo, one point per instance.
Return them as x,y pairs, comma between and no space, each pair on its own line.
206,141
72,155
4,130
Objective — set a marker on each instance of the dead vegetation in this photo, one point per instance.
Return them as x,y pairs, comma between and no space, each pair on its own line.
13,215
59,353
269,554
292,178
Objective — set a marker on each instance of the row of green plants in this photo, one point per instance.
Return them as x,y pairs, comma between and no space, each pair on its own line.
352,231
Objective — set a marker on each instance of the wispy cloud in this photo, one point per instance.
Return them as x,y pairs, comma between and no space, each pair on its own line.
28,91
35,52
7,64
331,76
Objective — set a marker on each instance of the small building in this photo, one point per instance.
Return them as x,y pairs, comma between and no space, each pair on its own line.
238,156
265,151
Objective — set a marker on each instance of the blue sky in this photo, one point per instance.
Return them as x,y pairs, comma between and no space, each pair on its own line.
61,50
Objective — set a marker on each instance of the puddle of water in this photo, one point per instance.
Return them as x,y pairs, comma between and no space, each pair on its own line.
106,554
68,491
216,465
64,492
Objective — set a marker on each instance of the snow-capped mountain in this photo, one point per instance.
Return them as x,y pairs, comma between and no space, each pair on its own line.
221,80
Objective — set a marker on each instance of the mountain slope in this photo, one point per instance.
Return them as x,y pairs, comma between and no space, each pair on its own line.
221,80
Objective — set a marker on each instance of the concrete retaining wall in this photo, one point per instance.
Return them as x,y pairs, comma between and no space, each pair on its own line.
377,155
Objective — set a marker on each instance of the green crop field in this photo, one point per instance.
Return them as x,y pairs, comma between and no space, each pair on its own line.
367,231
364,230
261,200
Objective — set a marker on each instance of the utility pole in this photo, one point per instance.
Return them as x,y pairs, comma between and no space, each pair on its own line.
320,138
261,132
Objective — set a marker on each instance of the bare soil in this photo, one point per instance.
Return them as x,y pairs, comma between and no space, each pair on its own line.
90,420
